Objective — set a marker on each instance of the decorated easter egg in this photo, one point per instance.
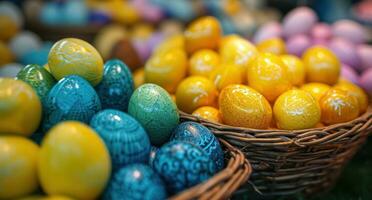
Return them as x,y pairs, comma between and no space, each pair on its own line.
72,56
24,42
8,28
349,30
18,167
125,51
349,74
317,90
116,87
267,31
135,182
366,81
345,51
72,98
190,165
355,91
226,74
153,152
202,137
6,56
124,137
321,31
73,161
299,21
153,107
297,44
10,70
20,107
364,53
39,79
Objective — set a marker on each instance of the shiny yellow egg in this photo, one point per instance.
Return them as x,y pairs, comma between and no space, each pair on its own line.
272,45
194,92
166,69
268,75
171,43
6,56
226,74
73,161
8,28
74,56
20,108
318,90
209,113
356,92
296,109
203,62
203,33
139,77
18,166
321,65
243,106
295,69
338,106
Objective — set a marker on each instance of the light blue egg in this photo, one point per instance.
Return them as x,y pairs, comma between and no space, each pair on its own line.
116,87
153,107
50,14
125,138
75,13
36,56
72,98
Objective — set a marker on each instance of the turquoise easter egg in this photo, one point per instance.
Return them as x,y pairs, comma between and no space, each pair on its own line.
72,98
39,79
124,136
116,87
154,108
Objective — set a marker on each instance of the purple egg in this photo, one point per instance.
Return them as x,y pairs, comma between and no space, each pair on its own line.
349,74
366,81
299,21
267,31
296,45
155,40
142,49
346,52
349,30
148,11
319,42
364,52
321,31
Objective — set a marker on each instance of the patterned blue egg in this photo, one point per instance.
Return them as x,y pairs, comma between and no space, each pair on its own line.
135,182
202,137
72,98
125,138
183,165
116,87
154,108
153,151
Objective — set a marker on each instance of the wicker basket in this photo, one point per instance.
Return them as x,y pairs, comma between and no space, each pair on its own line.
223,184
286,163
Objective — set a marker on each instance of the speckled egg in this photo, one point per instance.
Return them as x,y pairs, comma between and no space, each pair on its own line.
125,138
39,79
183,165
72,98
154,108
135,182
116,86
202,137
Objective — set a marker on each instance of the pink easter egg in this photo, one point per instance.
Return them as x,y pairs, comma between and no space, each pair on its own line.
366,81
321,31
349,30
319,42
296,45
364,52
346,52
267,31
299,21
349,74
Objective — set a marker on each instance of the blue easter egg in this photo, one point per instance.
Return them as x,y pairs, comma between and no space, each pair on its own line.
153,107
36,56
153,151
72,98
135,182
50,14
202,137
75,13
125,138
116,87
183,165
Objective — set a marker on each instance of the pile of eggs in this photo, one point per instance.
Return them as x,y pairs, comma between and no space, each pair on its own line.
227,79
78,129
347,39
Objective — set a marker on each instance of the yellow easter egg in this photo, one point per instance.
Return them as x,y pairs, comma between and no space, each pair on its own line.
268,75
18,166
20,108
139,77
8,28
243,106
166,69
74,56
173,42
194,92
272,45
318,90
338,106
356,92
209,113
296,109
6,55
226,74
321,65
295,69
73,161
203,62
